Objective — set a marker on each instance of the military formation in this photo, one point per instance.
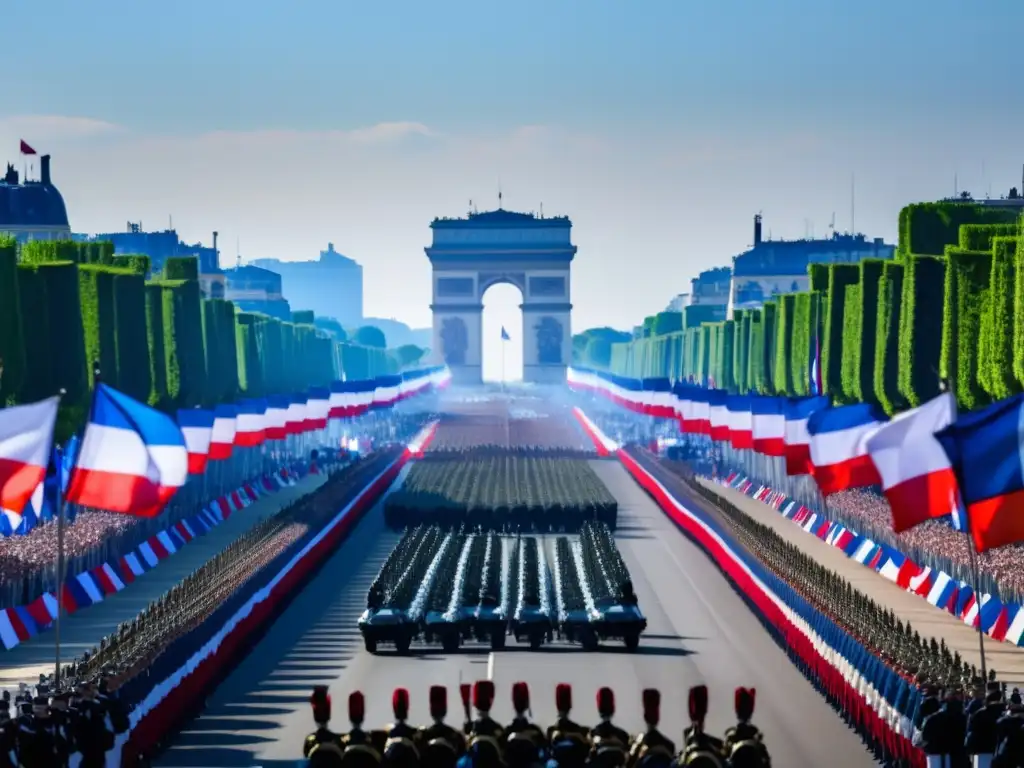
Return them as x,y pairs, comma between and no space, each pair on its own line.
483,742
46,728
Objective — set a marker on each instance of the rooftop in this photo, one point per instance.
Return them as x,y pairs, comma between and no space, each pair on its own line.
499,219
31,203
771,257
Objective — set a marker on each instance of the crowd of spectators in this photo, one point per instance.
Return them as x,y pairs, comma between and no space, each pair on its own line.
28,563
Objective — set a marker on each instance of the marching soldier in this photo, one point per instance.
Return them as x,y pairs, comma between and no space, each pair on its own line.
651,747
37,740
400,748
526,741
609,742
981,740
744,744
362,748
700,750
485,734
323,746
570,741
439,743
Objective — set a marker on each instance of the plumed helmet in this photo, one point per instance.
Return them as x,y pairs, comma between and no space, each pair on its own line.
698,703
520,697
563,698
438,701
400,703
652,706
321,703
744,703
483,695
356,708
605,702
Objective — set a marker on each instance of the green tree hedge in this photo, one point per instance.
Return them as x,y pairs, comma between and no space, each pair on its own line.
921,318
887,338
839,276
12,342
785,326
997,341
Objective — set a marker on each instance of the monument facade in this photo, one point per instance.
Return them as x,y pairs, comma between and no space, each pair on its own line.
469,255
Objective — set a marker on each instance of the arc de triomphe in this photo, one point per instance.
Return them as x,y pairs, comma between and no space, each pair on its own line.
469,255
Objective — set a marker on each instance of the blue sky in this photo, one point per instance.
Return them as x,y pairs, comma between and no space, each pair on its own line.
660,127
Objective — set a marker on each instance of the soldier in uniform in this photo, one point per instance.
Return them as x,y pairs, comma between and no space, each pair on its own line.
651,748
609,742
37,740
570,741
440,745
943,733
400,748
362,748
485,736
8,736
525,742
323,745
744,744
981,738
700,750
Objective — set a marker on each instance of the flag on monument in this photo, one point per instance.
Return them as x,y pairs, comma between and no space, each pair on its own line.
26,149
504,334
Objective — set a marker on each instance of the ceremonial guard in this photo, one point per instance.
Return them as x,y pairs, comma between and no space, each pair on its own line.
8,736
570,741
484,734
744,744
525,741
362,748
38,743
323,746
400,748
651,748
981,740
700,750
609,742
439,743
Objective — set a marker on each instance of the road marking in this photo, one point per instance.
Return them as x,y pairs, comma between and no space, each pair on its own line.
490,666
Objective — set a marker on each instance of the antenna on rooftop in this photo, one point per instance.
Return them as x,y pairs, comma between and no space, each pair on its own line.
542,210
832,225
170,222
499,194
853,203
238,251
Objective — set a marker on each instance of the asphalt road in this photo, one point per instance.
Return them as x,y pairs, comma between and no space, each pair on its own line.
699,631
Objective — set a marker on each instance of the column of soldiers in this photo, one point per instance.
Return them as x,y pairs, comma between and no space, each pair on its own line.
483,742
44,730
959,716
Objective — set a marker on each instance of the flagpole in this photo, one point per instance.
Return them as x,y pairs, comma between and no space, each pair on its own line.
972,554
61,505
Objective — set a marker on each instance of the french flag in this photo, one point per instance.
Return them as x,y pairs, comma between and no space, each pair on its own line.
26,440
769,428
250,423
797,439
660,402
386,391
917,476
340,401
222,440
943,590
364,391
741,422
719,415
132,460
275,418
838,450
318,407
296,423
197,428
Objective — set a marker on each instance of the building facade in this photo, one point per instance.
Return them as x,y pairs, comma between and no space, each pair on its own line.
254,289
775,267
469,255
32,210
331,286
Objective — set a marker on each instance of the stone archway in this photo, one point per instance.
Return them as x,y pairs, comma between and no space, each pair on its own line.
469,255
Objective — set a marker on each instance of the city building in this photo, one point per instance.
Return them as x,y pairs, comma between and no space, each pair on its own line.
678,303
775,267
32,210
332,286
254,289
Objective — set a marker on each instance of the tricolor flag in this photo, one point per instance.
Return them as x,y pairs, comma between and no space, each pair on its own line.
769,428
798,439
197,428
318,406
26,440
133,458
296,420
222,439
741,422
250,423
275,418
984,448
719,415
917,478
838,450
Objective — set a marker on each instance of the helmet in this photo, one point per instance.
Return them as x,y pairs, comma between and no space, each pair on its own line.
326,755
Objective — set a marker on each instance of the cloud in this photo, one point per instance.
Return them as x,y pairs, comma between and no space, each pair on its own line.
42,128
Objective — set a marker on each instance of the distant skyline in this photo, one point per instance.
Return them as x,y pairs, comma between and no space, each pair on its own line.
660,128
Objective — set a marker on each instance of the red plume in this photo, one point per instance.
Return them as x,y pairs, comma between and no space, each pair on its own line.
483,695
605,702
321,701
438,701
745,703
400,703
698,703
520,697
563,698
356,707
652,706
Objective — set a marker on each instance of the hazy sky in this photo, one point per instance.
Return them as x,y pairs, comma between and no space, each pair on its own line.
660,126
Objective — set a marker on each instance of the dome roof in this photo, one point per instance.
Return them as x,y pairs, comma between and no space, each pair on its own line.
31,204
